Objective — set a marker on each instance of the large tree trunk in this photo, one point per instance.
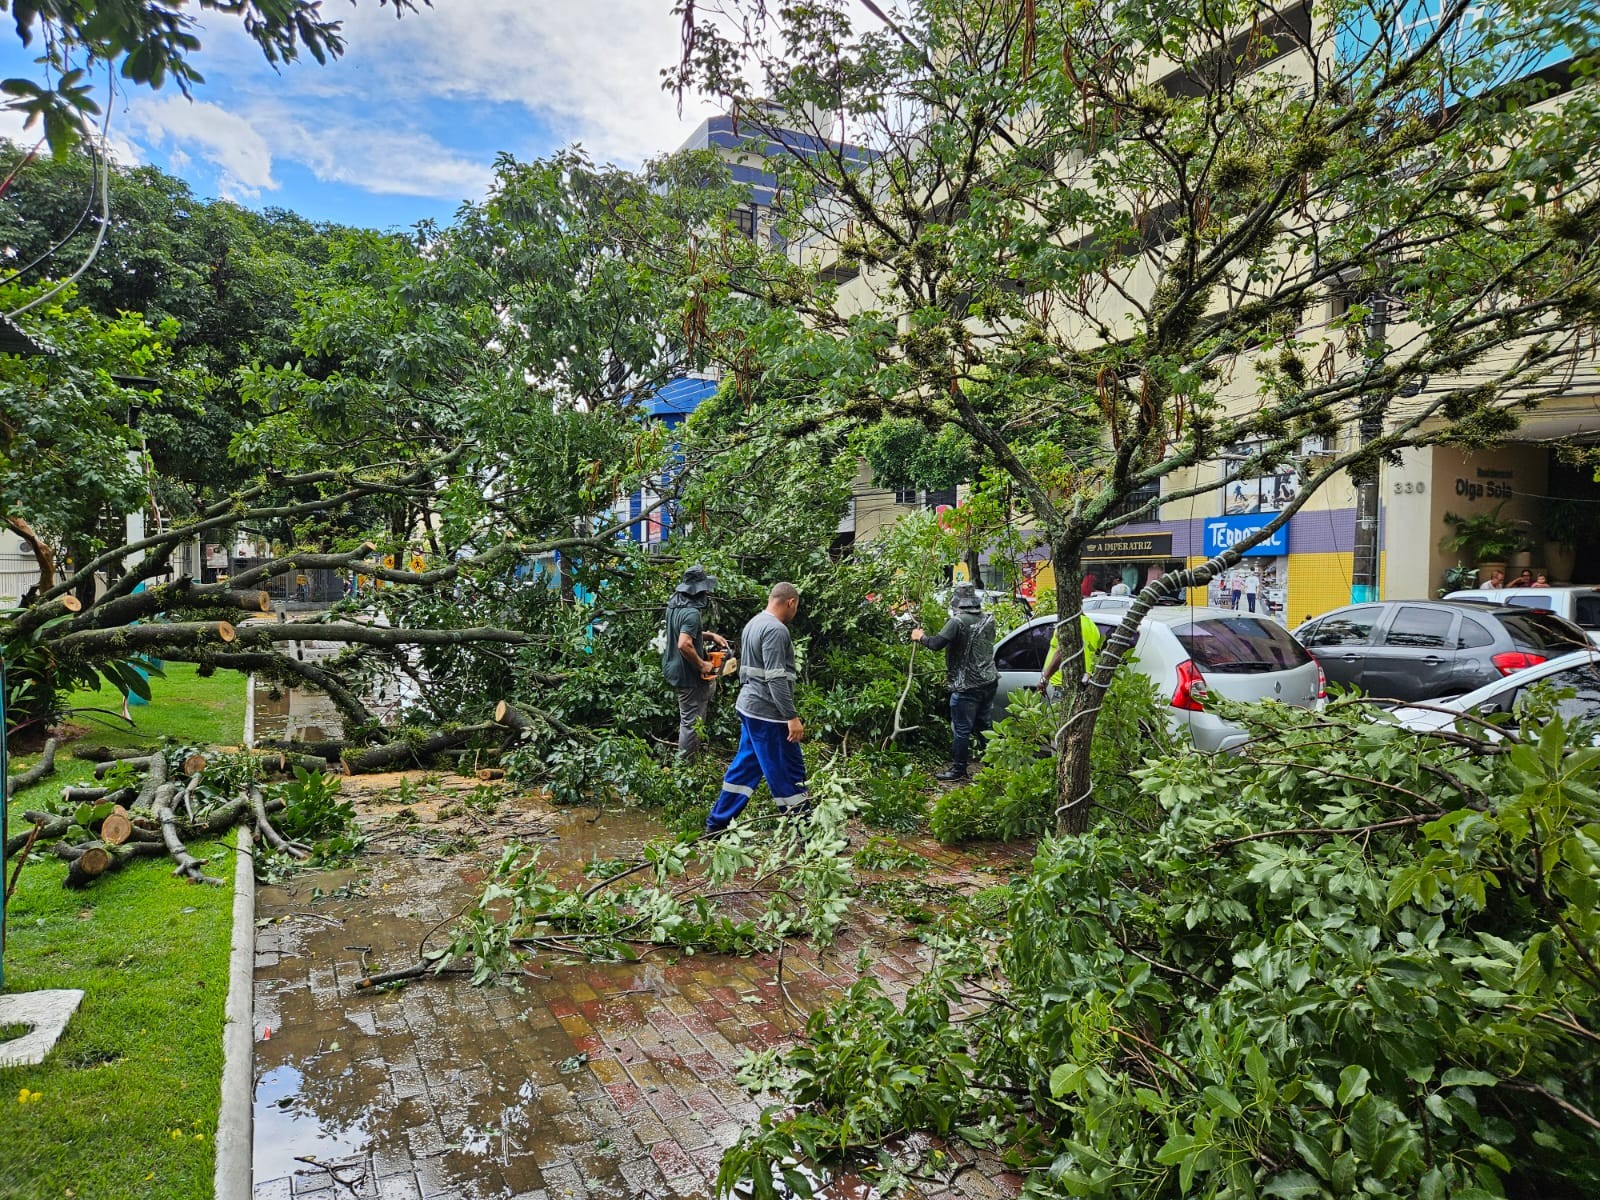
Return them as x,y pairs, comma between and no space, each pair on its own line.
1079,705
42,554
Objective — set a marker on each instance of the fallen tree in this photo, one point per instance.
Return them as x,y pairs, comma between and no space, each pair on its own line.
154,809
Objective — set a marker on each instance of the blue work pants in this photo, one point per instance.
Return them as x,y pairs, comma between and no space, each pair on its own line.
765,752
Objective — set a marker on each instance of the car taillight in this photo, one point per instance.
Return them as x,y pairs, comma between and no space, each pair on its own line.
1191,689
1516,660
1322,682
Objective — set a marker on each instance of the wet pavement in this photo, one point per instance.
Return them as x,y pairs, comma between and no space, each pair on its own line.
582,1080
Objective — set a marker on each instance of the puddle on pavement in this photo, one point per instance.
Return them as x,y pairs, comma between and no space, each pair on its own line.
582,1079
288,1127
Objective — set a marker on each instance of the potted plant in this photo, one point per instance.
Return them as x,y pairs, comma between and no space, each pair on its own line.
1458,578
1562,522
1487,537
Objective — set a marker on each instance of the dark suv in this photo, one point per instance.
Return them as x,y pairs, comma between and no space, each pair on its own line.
1428,649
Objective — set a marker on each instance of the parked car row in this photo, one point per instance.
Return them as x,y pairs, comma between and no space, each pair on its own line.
1188,654
1452,655
1428,649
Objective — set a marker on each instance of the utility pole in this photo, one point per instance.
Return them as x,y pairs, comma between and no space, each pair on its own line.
1364,560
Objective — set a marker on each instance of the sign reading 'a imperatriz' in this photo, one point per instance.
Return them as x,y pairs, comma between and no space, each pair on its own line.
1132,545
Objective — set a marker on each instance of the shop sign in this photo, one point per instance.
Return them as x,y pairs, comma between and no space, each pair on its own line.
1491,484
1222,532
1124,547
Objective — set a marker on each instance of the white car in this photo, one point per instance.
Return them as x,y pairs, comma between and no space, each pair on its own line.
1578,672
1188,653
1580,605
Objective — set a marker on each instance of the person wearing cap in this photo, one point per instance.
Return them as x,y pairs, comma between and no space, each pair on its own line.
770,729
967,640
684,658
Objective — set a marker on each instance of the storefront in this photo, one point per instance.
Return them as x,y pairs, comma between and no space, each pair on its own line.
1120,564
1260,581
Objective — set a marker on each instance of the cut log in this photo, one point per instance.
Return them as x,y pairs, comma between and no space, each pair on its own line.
114,860
227,632
117,827
137,761
520,722
194,764
411,753
327,751
107,754
48,824
45,766
71,603
489,774
155,779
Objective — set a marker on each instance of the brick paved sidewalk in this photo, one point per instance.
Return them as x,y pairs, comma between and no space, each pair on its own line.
586,1081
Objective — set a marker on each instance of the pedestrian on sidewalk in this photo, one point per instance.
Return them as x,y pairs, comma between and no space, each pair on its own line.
967,640
685,661
770,729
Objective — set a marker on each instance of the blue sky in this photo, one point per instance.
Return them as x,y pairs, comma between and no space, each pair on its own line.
407,124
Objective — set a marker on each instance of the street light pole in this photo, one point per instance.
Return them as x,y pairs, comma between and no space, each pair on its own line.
1364,557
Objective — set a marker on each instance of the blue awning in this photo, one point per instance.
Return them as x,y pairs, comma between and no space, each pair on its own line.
680,397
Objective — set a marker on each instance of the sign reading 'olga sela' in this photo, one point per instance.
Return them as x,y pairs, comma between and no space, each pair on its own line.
1222,532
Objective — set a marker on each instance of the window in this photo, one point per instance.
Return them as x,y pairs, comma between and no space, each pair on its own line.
1545,602
1473,634
1240,645
1025,650
1351,628
746,220
1582,705
905,495
1419,628
1543,632
1136,500
1586,608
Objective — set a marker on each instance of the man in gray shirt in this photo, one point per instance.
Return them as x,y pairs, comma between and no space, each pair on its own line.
770,730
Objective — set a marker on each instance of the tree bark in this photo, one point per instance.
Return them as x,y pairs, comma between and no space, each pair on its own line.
156,637
188,865
270,835
107,754
412,753
42,554
45,766
1079,705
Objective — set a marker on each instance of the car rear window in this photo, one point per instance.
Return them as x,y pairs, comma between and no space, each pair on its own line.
1240,645
1587,611
1542,632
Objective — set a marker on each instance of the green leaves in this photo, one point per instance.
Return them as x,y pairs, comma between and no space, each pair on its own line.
1191,1015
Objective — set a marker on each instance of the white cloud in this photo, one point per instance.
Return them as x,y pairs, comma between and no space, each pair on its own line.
590,70
584,71
386,161
228,141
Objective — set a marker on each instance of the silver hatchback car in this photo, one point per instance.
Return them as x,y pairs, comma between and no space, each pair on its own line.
1188,653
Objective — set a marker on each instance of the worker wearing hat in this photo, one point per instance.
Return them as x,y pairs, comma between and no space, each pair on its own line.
967,640
684,657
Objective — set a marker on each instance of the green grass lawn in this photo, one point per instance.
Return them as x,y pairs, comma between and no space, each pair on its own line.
128,1099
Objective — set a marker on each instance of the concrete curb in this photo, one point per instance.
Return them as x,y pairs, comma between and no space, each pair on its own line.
234,1120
